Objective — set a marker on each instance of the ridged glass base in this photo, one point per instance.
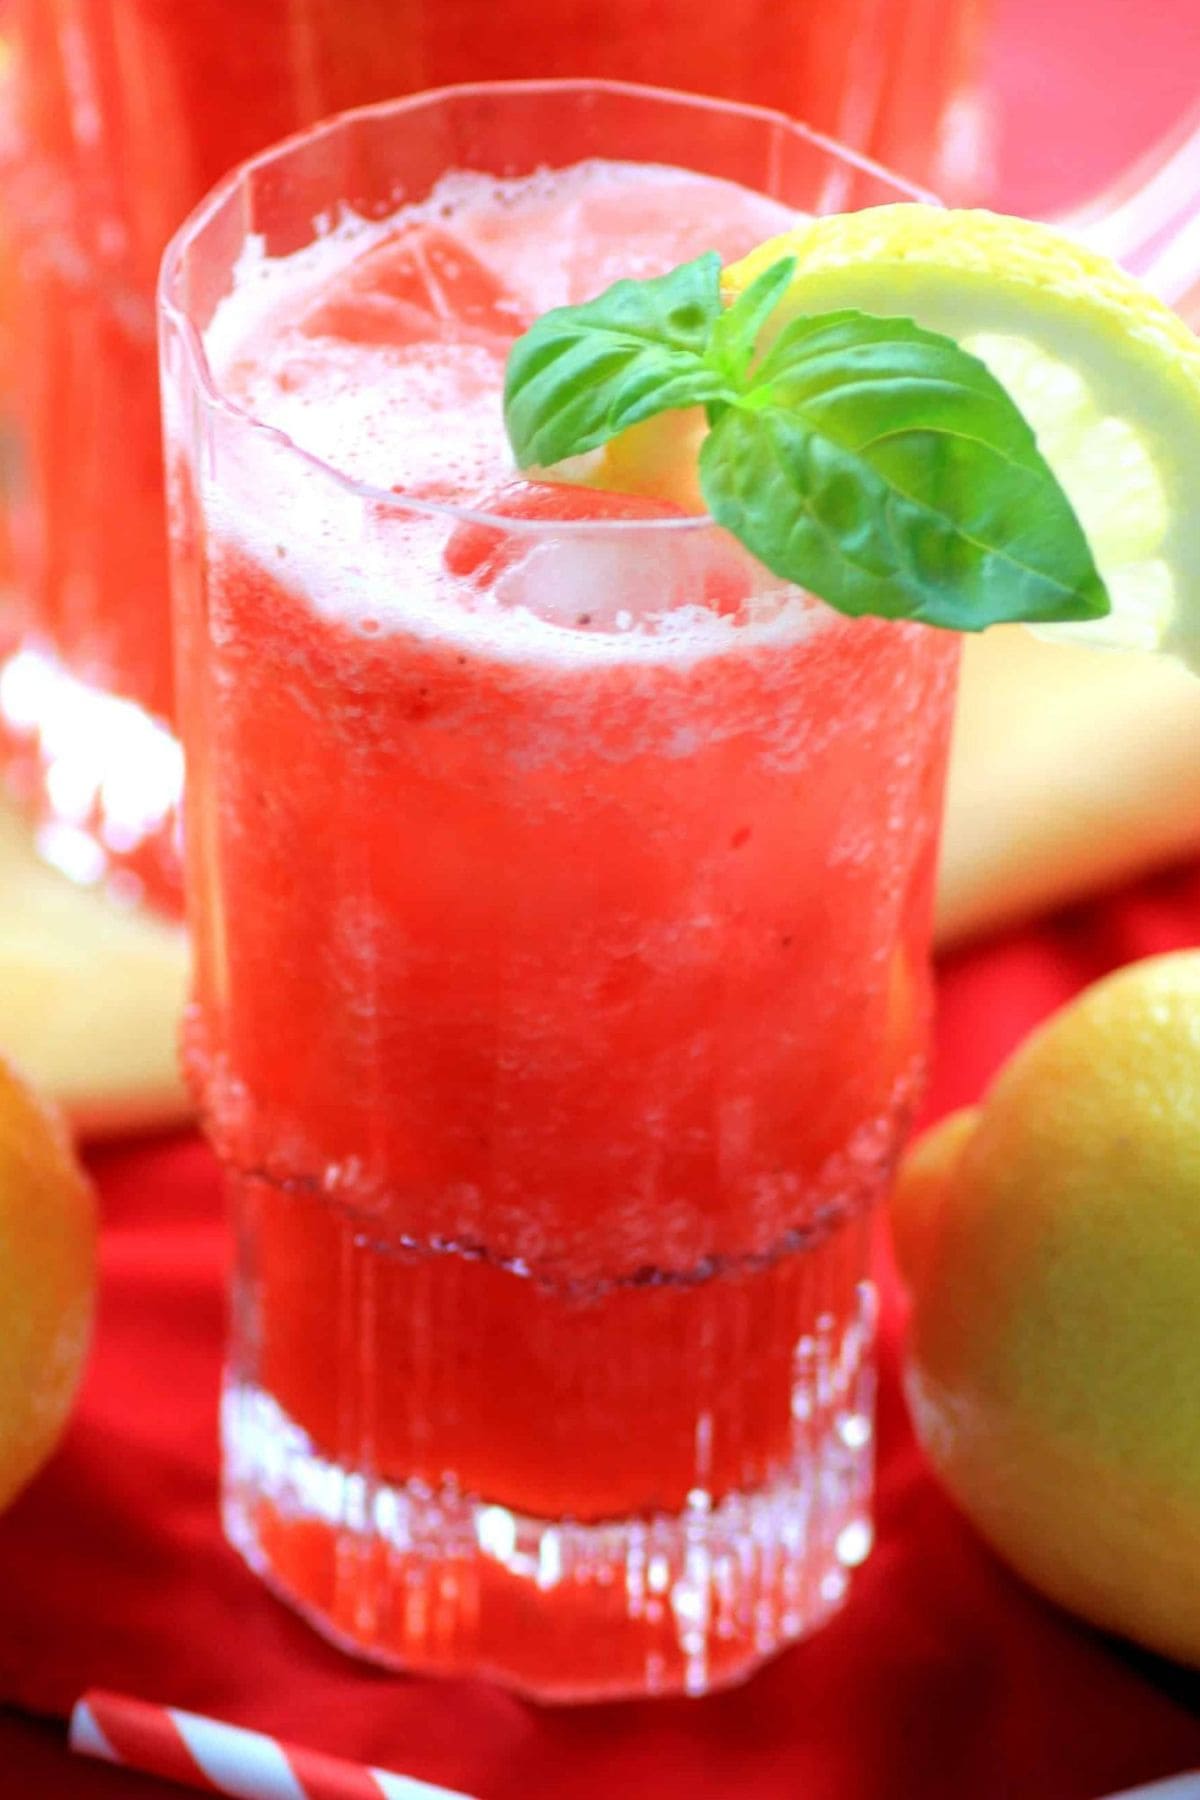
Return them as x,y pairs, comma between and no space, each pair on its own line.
426,1577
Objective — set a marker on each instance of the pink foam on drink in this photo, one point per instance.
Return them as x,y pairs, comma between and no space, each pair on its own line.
380,349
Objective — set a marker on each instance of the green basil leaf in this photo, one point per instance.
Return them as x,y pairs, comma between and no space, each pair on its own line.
581,374
884,468
735,332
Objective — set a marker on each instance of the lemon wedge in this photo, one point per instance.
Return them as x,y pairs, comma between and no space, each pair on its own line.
1107,376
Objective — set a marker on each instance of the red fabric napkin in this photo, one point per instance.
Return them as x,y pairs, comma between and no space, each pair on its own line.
944,1677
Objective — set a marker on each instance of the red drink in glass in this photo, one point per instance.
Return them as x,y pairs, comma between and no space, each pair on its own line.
116,118
560,884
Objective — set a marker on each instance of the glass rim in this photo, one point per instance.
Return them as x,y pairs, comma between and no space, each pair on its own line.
200,371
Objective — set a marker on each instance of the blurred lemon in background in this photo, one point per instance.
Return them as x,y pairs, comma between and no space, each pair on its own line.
1051,1239
91,994
47,1280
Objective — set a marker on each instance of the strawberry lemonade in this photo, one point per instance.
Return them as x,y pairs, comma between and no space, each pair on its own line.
561,885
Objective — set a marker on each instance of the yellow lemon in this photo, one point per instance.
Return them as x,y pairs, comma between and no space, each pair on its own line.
1052,1242
923,1185
47,1280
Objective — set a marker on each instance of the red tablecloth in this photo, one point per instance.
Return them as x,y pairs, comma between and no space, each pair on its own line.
944,1678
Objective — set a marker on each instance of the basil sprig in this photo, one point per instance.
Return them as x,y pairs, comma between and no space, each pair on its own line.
879,465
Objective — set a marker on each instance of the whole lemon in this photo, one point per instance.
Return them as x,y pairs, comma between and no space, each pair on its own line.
47,1280
1052,1242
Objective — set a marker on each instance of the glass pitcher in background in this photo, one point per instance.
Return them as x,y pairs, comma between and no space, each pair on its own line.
115,116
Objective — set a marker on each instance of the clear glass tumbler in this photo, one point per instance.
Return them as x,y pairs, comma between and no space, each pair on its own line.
561,987
116,116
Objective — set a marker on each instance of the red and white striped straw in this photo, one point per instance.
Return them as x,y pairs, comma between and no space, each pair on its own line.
1175,1787
224,1759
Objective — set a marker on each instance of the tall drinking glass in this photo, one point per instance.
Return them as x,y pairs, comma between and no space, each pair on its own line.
115,117
560,885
